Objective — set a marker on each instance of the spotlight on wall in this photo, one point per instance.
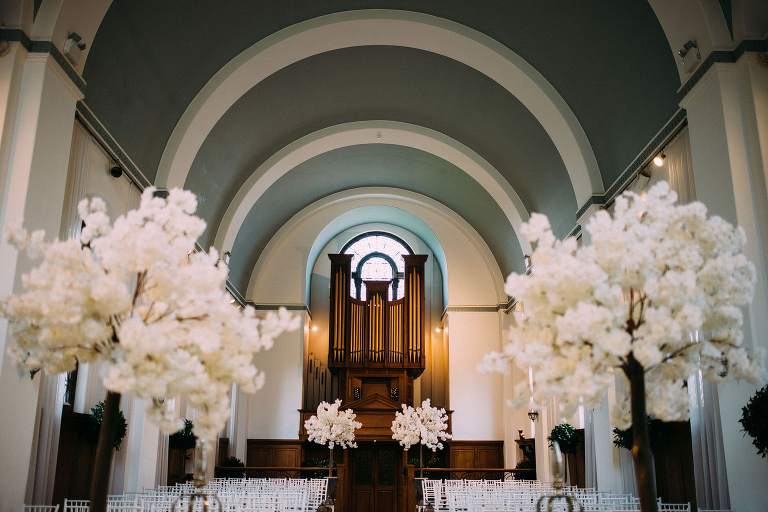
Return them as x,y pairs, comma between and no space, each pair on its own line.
658,160
315,328
533,415
438,330
116,171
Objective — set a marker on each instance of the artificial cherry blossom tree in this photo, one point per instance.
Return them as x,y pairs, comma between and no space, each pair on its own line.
654,297
332,427
425,425
137,297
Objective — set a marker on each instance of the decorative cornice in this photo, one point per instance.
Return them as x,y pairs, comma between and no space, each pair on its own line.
480,308
275,307
667,132
33,46
111,146
671,128
715,56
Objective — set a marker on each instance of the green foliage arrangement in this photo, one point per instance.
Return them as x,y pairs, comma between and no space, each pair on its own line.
185,438
232,467
565,435
623,438
95,419
754,420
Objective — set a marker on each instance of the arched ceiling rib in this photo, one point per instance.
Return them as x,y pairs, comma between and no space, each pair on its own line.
610,61
384,82
378,165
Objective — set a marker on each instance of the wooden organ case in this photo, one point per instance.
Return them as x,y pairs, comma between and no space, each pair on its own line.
376,345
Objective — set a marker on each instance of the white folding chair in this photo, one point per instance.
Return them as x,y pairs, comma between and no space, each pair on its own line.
76,505
41,508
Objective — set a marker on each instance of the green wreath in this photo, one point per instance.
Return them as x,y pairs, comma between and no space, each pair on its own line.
184,438
565,435
754,420
95,419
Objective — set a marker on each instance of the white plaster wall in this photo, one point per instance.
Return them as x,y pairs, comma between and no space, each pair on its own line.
475,398
273,411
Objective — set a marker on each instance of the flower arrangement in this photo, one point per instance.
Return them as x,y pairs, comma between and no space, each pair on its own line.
754,420
655,296
137,296
426,425
184,439
331,427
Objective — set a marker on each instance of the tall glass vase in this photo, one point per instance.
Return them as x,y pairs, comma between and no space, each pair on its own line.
200,459
208,499
330,462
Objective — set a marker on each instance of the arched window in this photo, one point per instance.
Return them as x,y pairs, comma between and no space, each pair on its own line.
378,256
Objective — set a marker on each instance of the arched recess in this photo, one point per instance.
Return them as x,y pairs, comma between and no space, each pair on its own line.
382,27
470,273
370,132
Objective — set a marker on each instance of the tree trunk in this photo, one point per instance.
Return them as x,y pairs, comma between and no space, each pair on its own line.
641,441
421,461
102,464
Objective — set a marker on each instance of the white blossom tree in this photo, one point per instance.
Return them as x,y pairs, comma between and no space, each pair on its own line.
655,297
424,425
137,297
332,427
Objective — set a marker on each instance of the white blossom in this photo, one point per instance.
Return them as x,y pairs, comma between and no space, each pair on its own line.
426,425
660,284
331,427
136,295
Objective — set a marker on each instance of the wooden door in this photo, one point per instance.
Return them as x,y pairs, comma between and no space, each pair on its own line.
375,468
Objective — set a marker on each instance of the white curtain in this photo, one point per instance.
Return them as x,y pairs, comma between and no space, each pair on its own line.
707,438
590,456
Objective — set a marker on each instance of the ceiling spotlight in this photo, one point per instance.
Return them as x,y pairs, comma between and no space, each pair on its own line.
116,171
658,160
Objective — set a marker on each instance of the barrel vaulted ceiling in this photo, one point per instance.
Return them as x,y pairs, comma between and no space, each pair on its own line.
608,60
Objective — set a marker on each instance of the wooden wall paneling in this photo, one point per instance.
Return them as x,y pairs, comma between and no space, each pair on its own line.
273,453
75,457
476,454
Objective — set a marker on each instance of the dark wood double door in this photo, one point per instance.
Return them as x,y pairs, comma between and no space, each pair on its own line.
375,469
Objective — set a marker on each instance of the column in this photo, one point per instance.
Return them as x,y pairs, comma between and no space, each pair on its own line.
728,117
35,151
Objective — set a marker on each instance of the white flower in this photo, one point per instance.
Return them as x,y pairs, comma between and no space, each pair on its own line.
660,284
426,425
332,427
135,294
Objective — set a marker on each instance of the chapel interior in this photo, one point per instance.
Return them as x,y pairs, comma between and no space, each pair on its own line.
368,165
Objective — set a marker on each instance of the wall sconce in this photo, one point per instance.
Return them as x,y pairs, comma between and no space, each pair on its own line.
658,160
533,414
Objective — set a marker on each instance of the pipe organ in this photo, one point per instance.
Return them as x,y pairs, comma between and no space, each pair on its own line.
377,345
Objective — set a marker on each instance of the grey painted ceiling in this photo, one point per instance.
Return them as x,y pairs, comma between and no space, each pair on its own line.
609,60
376,165
390,83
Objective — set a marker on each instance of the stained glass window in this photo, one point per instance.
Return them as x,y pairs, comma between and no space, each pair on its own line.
377,256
